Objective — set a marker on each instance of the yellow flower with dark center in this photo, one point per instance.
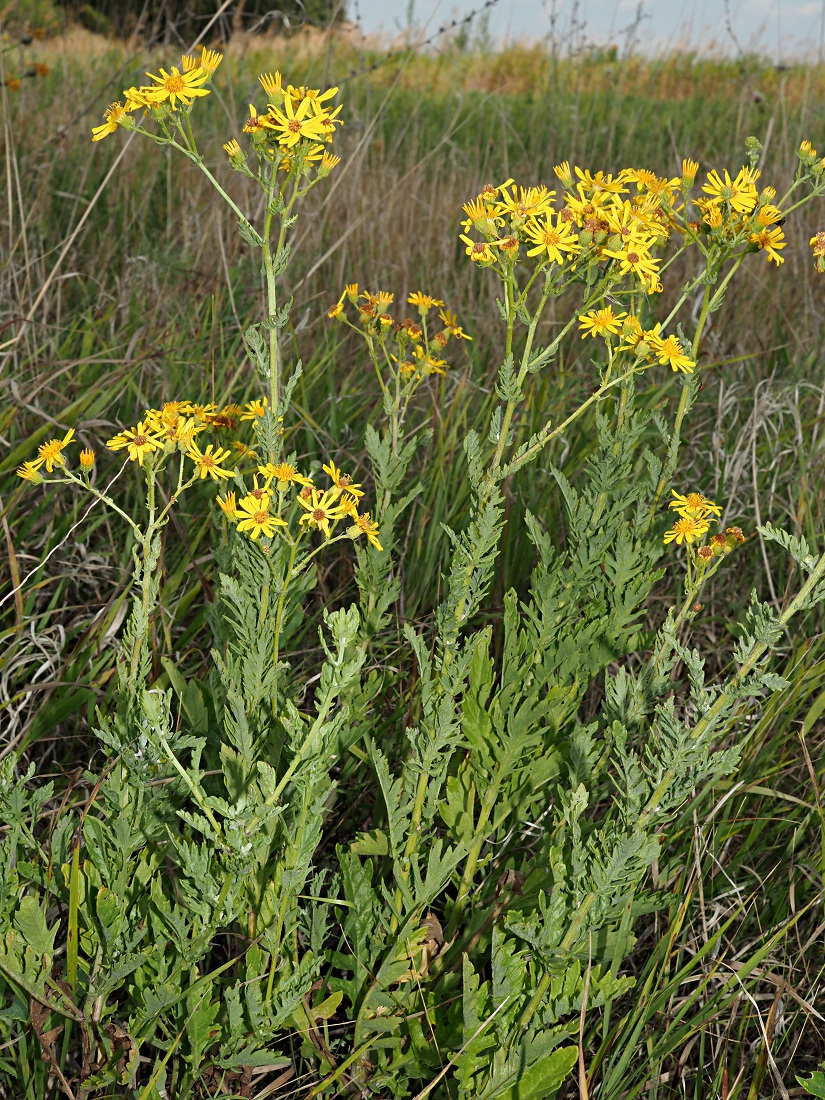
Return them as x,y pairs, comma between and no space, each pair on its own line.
554,239
770,241
739,193
176,86
139,442
694,505
292,125
686,529
283,474
363,525
208,462
87,458
51,453
114,114
478,251
525,202
30,471
255,519
423,302
481,216
321,509
256,123
601,322
341,480
228,505
636,257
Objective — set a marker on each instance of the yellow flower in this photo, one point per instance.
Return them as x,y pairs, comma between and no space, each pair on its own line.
232,149
552,239
228,505
694,505
321,509
114,115
293,125
686,529
328,162
689,170
423,302
51,453
257,122
179,86
481,216
635,257
341,480
525,202
600,182
601,322
272,85
739,193
255,409
817,243
351,292
478,251
209,461
210,59
451,325
29,471
563,173
283,474
363,525
255,517
138,99
87,458
770,241
768,215
669,350
139,442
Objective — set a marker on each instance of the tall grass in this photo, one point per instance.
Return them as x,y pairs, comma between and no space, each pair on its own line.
149,300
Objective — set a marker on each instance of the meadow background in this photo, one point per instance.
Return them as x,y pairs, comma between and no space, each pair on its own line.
153,290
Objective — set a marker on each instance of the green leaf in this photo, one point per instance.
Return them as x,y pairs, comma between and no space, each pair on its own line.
30,921
541,1080
815,1085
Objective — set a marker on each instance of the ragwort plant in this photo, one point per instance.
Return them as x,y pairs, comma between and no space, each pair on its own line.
189,929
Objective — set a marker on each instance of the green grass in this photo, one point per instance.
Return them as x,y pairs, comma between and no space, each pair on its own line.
148,304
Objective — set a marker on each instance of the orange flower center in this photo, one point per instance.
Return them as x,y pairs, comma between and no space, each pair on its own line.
261,518
294,125
174,83
319,515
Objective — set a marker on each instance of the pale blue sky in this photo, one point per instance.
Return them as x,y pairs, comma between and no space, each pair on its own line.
781,29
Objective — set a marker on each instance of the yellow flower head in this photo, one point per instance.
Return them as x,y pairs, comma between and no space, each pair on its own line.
139,442
739,193
694,505
478,251
363,525
321,509
254,517
451,325
686,529
228,505
114,115
341,480
87,458
423,302
669,350
563,173
257,123
210,59
553,239
233,149
208,462
273,86
51,453
601,322
292,125
524,202
30,471
689,170
176,86
255,409
770,241
283,474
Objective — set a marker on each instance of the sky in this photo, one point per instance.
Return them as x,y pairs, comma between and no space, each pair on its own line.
779,29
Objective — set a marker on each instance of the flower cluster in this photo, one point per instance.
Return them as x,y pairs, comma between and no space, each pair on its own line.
648,345
283,490
695,515
411,349
179,87
294,131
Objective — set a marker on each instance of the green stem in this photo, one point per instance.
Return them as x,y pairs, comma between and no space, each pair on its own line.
279,614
